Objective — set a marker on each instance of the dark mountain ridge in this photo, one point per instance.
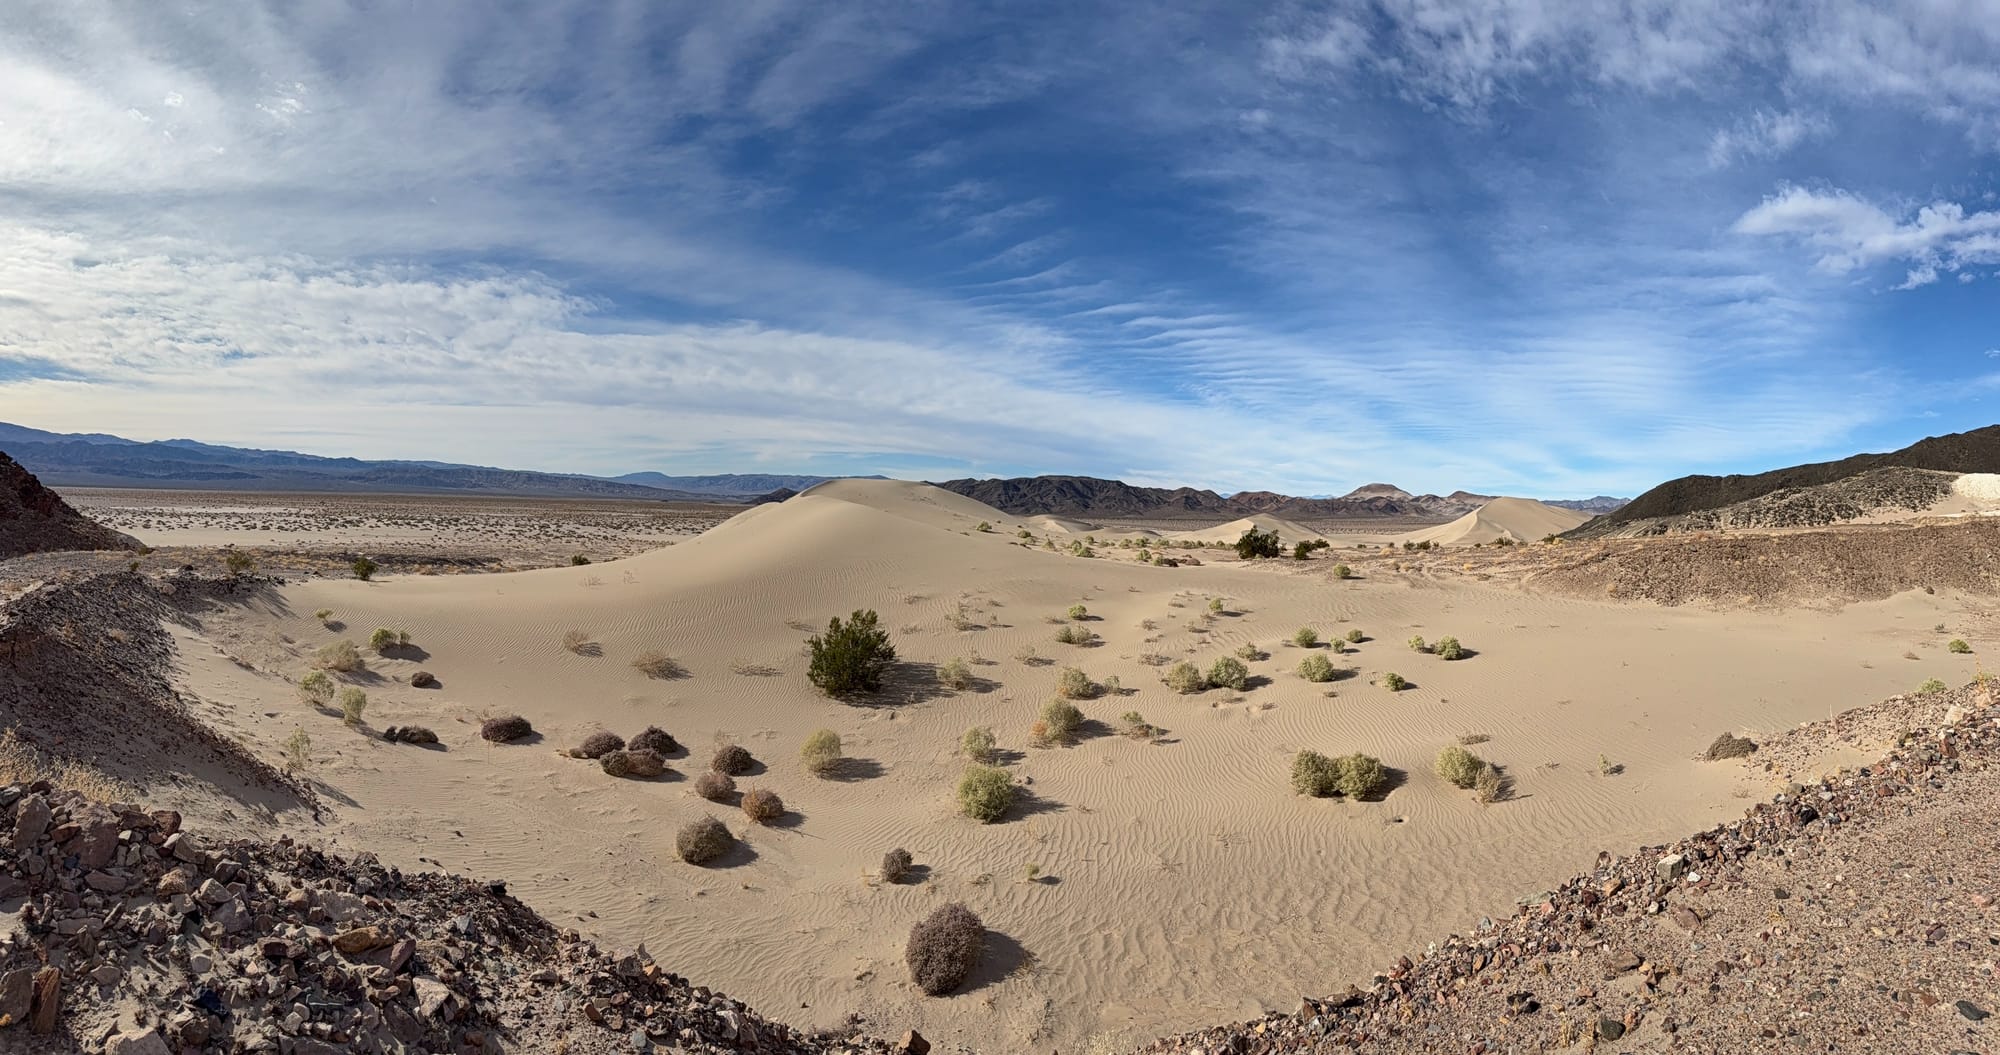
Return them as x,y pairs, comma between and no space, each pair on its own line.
1090,496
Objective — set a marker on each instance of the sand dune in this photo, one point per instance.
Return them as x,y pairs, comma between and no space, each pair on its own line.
1180,882
1288,531
1518,519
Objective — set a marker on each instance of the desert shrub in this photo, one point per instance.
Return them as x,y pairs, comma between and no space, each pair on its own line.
1186,678
1417,645
1362,775
1080,549
1302,551
1731,746
1335,645
633,765
1342,571
731,759
1316,668
1448,648
655,739
409,734
239,563
505,730
715,787
340,655
363,568
703,840
1255,544
977,744
316,688
820,754
656,664
984,526
1315,774
298,751
1491,784
1024,533
352,703
575,641
1073,684
1930,686
1216,606
1394,682
1958,646
763,805
943,949
1077,611
1071,634
1134,725
985,793
955,674
383,638
1355,637
1459,766
597,745
323,614
1305,637
896,865
1110,687
578,560
1060,721
1229,672
850,657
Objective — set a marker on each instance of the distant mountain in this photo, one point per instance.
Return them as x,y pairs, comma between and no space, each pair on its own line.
746,485
1600,504
1977,451
34,519
98,460
1089,496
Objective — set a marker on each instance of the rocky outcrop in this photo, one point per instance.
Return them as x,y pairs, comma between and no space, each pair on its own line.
1891,492
34,519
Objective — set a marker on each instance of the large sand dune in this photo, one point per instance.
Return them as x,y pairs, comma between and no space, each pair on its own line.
1514,519
1181,882
1287,531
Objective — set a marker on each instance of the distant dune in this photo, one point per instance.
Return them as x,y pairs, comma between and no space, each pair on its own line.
1517,519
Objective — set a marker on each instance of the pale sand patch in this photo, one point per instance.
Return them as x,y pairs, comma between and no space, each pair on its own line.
1184,882
1518,519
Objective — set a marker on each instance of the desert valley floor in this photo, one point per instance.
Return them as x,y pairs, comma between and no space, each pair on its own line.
1175,883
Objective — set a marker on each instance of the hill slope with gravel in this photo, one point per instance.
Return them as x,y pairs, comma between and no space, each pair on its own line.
34,519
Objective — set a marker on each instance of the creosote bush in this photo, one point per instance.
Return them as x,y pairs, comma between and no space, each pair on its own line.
298,751
1448,648
1355,637
352,703
656,664
340,655
1958,646
363,568
1186,678
1073,684
1215,606
1417,645
575,641
1342,571
1229,672
715,787
578,560
1491,786
955,674
239,563
731,759
985,793
1459,766
1071,634
1362,775
1256,544
384,638
1931,686
944,948
703,840
316,688
1077,611
850,657
323,614
1252,654
655,739
820,754
763,805
1315,774
896,865
977,744
1316,668
1394,682
1060,721
1305,637
505,730
633,765
597,745
1110,687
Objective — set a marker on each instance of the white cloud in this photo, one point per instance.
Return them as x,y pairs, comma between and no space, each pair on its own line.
1764,134
1848,233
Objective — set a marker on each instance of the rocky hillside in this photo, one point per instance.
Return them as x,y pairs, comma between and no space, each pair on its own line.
1977,451
1873,492
1085,496
34,519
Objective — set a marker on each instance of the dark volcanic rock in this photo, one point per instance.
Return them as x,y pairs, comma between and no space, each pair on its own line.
34,519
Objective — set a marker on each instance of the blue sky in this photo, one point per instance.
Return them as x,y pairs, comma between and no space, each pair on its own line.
1527,246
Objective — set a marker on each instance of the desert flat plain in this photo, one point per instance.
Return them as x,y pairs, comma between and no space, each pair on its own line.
1139,886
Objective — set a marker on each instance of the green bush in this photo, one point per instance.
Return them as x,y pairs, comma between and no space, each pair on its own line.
340,655
1394,682
1110,687
985,793
1362,775
821,752
1930,687
850,657
1186,678
1073,684
955,674
1342,571
977,745
1355,637
1134,725
316,688
1255,544
578,560
984,526
1060,721
239,563
1305,637
1215,606
1077,611
1315,774
1229,672
383,638
323,614
1448,648
1316,668
1071,634
1252,654
1417,645
1958,646
352,703
1459,766
363,568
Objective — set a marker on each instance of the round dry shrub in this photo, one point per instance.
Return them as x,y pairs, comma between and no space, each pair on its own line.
655,739
1958,647
977,744
506,730
597,745
1417,644
1448,648
763,805
1060,721
702,841
1315,774
715,787
1185,678
1077,611
731,759
955,674
985,793
1394,682
896,865
1459,766
1491,785
633,765
1316,668
1071,634
316,688
382,638
1930,687
1229,672
1306,637
1362,775
340,655
1073,684
353,702
944,948
820,754
1355,637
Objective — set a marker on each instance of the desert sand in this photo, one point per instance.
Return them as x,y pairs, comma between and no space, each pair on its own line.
1513,519
1179,882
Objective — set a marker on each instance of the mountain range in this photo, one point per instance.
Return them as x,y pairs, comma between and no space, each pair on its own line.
1093,497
